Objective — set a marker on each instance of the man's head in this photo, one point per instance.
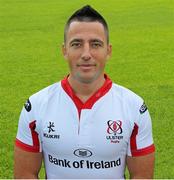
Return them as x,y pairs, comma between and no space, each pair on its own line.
86,47
86,14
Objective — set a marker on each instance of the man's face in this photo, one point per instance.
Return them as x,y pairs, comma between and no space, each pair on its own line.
86,50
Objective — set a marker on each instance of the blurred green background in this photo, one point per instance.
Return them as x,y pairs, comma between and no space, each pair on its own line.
142,35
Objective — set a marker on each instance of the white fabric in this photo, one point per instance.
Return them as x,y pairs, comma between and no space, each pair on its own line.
71,140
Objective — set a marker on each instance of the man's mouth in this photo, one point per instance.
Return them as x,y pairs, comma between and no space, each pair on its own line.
86,67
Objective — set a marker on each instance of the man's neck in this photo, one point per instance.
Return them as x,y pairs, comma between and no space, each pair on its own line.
85,90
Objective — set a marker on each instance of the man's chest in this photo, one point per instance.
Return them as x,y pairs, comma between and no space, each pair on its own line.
101,131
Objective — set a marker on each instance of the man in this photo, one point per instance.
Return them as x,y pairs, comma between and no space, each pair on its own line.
85,126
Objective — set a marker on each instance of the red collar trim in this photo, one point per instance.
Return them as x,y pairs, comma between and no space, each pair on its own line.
91,101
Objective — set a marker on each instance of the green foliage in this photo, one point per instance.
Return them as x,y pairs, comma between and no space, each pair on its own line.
142,35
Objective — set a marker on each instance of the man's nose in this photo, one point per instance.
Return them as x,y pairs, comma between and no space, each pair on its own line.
86,55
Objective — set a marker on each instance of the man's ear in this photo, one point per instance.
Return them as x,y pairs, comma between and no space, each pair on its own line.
109,51
64,51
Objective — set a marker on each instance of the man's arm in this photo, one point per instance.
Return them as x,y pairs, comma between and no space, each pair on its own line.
141,167
26,164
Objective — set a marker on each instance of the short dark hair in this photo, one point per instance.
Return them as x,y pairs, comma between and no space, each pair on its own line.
87,14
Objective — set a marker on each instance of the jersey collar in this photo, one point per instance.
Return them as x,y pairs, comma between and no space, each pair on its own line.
91,101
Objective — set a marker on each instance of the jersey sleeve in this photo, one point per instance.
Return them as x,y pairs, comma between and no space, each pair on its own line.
28,137
141,140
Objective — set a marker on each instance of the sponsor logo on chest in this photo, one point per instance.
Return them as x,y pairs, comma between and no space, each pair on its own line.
51,132
87,164
114,131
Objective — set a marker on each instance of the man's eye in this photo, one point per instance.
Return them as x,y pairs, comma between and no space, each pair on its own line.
96,45
76,44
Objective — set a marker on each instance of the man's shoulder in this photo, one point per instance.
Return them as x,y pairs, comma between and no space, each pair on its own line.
126,94
46,93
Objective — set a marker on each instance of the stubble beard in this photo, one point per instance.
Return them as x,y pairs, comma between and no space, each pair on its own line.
89,80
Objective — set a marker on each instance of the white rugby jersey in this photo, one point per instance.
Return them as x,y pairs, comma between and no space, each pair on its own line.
85,140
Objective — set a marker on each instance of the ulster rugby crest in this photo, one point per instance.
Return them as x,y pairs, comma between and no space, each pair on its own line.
114,131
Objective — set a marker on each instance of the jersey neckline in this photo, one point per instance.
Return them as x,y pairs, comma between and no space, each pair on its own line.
92,100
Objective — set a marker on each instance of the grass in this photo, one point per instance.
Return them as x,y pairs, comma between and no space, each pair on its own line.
142,35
